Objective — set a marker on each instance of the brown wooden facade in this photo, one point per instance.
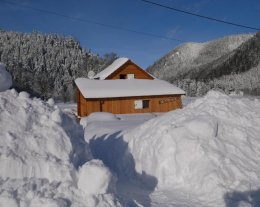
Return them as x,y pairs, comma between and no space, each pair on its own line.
129,68
125,105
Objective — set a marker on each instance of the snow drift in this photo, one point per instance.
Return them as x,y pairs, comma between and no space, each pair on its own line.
206,150
33,142
210,147
5,78
41,150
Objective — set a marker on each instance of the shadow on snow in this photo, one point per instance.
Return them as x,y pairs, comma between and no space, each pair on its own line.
132,187
246,198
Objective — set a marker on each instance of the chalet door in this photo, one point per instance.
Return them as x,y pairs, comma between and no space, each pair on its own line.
101,106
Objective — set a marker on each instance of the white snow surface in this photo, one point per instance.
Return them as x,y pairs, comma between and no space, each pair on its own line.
96,178
5,78
35,192
41,150
111,68
97,116
209,148
125,88
207,154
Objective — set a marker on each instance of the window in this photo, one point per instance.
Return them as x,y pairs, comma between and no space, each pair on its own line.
146,104
141,104
122,76
130,76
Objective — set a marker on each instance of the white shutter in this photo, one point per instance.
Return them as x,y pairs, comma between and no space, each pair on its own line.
138,104
130,76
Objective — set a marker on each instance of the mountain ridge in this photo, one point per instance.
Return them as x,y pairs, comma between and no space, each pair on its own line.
212,61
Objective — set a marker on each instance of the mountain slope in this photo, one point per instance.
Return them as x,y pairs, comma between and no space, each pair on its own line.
202,65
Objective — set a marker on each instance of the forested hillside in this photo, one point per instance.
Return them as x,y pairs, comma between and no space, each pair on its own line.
230,64
47,65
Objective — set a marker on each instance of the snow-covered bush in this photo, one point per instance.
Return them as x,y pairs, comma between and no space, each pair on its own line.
5,78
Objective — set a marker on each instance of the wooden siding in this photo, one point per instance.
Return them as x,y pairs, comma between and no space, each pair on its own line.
79,96
125,105
130,68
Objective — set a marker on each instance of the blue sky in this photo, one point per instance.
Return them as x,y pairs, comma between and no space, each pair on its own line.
135,15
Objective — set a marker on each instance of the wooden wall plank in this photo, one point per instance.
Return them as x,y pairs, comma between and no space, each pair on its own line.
125,105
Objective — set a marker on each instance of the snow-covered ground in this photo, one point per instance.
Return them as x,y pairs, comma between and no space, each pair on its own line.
44,159
206,154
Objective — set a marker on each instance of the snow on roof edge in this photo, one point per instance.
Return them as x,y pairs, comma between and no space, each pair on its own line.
125,88
111,68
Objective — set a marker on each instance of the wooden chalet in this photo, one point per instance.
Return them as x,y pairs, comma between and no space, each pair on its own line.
140,93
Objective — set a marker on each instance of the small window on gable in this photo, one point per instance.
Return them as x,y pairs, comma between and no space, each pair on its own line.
130,76
122,76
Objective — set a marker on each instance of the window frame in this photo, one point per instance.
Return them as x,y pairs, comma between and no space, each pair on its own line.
146,104
122,76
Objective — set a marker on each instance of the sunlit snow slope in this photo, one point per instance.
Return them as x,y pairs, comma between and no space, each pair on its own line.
190,56
208,151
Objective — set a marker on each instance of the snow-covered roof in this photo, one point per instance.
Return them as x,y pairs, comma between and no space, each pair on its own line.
125,88
111,68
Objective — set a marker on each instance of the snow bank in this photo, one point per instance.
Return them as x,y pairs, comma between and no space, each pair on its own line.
33,142
35,192
5,78
41,150
209,148
204,151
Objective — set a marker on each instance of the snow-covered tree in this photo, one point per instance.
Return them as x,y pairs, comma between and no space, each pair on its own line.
47,65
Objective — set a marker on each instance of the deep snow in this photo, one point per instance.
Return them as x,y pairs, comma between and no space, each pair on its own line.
44,159
207,154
